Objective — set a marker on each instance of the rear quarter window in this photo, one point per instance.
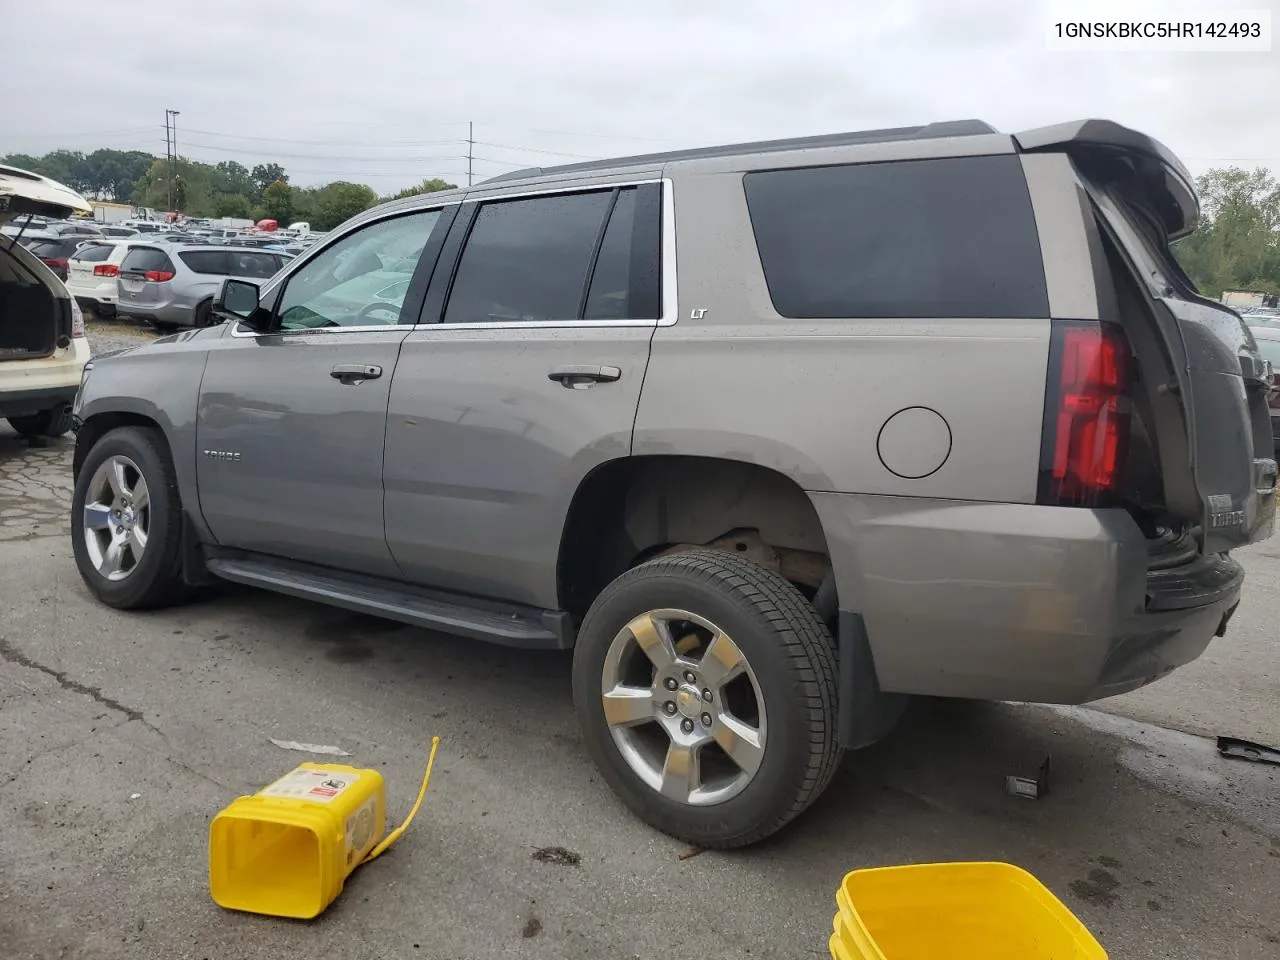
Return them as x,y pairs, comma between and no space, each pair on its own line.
142,259
951,237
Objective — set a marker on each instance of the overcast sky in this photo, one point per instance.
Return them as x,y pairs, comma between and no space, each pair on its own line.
380,91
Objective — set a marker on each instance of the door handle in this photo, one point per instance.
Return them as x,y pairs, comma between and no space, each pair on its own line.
353,373
579,376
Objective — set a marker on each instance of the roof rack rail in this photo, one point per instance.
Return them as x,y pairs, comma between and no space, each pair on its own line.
929,131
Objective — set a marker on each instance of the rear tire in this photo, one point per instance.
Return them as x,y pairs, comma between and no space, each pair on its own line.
46,423
786,732
151,573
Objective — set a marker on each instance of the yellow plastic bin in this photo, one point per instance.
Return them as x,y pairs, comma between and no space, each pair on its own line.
956,911
287,850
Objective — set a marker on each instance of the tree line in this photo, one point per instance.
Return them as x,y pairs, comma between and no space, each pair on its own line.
226,189
1237,246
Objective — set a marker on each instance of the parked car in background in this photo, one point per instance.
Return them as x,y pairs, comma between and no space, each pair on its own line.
1266,333
23,223
54,251
93,273
43,349
173,285
114,232
70,228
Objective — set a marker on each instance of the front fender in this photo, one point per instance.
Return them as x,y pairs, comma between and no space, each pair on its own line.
158,383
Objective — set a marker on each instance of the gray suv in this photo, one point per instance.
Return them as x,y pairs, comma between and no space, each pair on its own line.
772,435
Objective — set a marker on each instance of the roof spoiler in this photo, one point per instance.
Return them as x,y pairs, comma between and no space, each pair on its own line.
1166,182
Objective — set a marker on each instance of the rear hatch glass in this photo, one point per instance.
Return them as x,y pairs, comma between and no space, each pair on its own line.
1207,382
141,271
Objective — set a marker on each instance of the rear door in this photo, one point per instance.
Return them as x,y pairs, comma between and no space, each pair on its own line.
1209,400
529,383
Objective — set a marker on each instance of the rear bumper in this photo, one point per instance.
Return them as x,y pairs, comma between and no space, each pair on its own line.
1016,601
25,403
169,312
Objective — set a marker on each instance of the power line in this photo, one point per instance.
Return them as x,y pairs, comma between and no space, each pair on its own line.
319,143
554,153
321,156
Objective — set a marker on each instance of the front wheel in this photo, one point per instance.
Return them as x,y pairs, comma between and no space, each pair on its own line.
705,685
126,521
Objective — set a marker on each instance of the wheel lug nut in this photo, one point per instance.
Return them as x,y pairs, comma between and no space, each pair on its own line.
706,719
689,677
670,683
670,708
686,726
706,695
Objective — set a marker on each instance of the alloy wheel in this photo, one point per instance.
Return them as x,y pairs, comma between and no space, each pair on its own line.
684,707
117,517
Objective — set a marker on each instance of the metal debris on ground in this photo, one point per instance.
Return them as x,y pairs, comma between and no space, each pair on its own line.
1247,750
323,748
1029,788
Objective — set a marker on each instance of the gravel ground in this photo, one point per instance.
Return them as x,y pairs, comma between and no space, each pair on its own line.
107,335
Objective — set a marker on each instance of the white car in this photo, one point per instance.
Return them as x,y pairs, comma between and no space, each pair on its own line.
93,275
43,349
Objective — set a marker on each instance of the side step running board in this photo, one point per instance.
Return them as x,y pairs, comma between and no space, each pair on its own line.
509,625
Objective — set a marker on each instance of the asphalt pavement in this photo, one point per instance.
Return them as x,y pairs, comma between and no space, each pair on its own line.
121,735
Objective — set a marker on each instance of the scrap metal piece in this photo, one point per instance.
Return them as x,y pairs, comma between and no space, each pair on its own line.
1029,788
1247,750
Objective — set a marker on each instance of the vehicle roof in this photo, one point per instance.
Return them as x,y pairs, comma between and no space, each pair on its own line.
185,247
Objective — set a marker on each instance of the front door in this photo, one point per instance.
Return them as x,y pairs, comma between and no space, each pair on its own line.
291,422
530,381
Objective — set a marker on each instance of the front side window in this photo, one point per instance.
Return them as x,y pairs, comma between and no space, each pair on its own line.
361,280
255,266
210,262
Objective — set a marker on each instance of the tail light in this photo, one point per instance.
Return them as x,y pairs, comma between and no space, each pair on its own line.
106,270
158,276
57,263
1086,417
77,320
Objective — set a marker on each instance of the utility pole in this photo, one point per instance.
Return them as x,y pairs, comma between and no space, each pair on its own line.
171,145
471,142
168,157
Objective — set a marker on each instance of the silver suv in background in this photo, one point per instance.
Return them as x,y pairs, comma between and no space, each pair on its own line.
772,435
173,285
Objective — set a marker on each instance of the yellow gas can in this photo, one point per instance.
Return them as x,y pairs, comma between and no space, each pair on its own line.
288,849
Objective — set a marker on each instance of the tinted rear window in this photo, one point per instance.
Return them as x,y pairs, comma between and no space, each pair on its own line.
95,252
51,248
142,259
921,238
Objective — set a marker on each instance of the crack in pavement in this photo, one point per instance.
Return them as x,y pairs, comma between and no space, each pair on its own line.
13,655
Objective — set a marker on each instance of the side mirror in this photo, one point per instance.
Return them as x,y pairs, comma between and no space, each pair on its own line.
238,303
